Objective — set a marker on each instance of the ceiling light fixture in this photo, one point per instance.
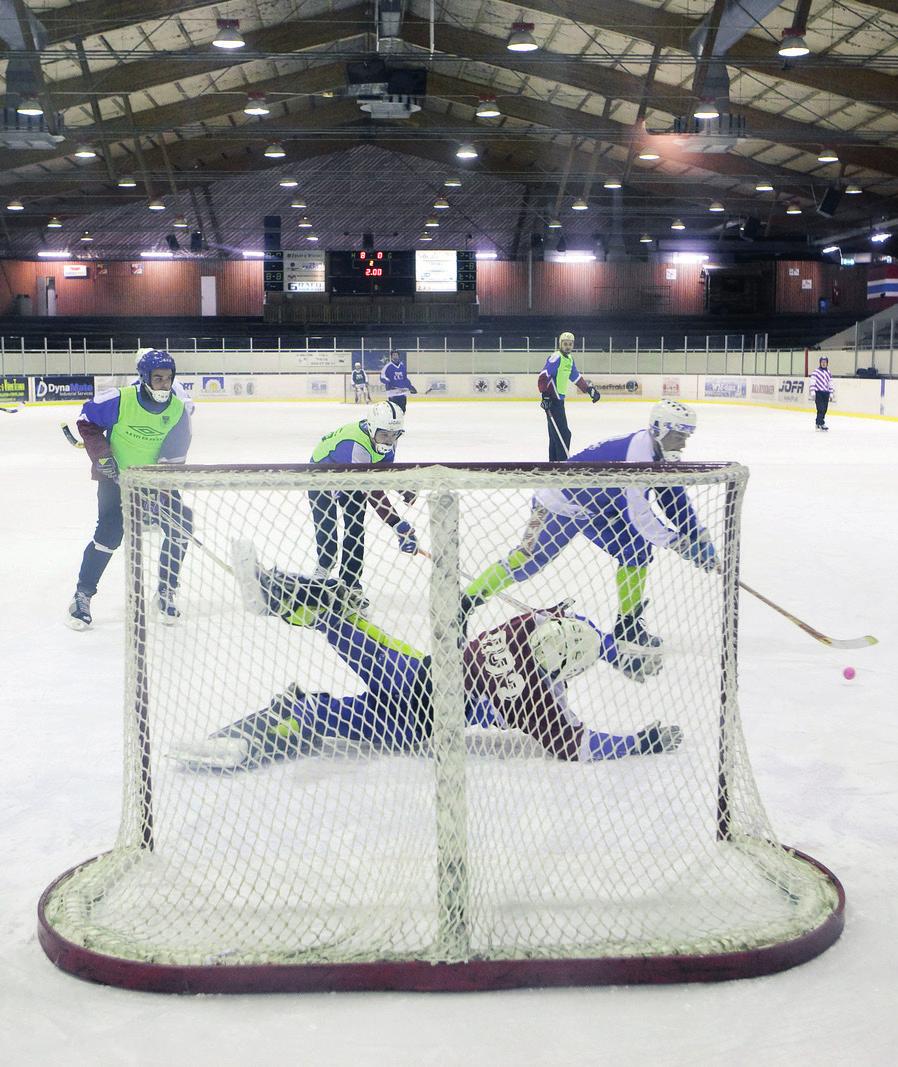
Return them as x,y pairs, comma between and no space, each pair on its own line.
830,248
827,155
127,181
54,223
256,105
180,222
554,224
431,223
15,205
648,154
716,207
579,205
486,255
646,239
159,254
298,202
305,223
156,204
275,151
792,208
853,190
521,38
452,182
793,45
706,109
311,237
30,106
425,236
488,108
47,254
613,183
878,236
86,236
763,186
228,35
440,204
678,224
467,151
288,183
85,151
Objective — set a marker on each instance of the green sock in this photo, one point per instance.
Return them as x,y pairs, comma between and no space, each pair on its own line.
630,587
495,578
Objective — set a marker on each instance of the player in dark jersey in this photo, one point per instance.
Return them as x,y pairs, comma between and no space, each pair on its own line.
515,677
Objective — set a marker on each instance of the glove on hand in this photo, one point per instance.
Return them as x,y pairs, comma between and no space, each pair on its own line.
593,393
698,549
107,468
411,388
546,402
408,541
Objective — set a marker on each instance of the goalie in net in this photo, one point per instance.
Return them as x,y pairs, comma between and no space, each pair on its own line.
514,678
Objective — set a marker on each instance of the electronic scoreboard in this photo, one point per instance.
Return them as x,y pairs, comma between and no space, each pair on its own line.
371,272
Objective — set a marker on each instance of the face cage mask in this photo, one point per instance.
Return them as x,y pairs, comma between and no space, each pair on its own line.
384,441
671,454
159,395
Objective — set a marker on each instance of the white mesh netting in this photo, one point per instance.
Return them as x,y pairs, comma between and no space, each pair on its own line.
408,800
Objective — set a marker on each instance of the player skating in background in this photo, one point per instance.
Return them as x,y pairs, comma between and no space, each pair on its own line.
360,384
395,380
515,677
618,520
369,441
822,387
559,372
184,395
136,426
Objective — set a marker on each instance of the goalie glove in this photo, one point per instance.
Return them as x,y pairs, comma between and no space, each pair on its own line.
412,389
698,549
106,467
593,393
546,402
408,541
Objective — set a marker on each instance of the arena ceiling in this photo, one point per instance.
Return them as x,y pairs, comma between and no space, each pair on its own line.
142,84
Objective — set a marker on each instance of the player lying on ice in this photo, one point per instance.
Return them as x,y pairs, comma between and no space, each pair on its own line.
515,676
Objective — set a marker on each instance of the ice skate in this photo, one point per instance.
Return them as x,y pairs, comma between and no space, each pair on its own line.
167,608
79,617
630,632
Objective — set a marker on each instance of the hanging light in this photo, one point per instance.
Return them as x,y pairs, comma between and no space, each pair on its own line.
579,205
180,222
275,151
452,182
85,151
828,155
305,223
764,186
311,237
716,207
554,224
792,208
15,205
228,34
256,104
853,190
521,38
488,108
54,223
878,236
467,151
426,236
678,224
441,204
432,223
793,44
298,202
127,181
30,106
649,154
288,183
706,109
156,204
646,239
86,236
613,183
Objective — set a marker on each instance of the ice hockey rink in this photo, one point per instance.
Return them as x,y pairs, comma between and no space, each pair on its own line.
819,537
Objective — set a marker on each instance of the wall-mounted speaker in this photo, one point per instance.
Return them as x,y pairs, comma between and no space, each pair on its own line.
172,242
196,241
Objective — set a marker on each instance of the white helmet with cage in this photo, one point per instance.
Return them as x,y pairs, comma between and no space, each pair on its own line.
565,647
384,426
671,423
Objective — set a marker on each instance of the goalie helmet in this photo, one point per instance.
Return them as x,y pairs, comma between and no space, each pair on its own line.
565,647
565,337
384,426
671,424
151,360
357,366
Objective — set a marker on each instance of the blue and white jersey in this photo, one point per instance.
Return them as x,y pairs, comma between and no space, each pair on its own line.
395,380
631,504
561,371
103,411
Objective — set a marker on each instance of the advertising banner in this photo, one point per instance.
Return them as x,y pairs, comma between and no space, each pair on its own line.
616,386
791,391
725,388
13,387
52,388
763,390
670,387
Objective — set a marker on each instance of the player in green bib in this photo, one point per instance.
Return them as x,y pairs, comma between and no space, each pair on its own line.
370,441
137,426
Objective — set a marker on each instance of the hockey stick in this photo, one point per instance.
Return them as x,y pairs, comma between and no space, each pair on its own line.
70,437
10,411
172,521
515,603
833,642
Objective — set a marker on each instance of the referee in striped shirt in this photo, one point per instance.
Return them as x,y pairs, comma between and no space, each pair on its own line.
822,387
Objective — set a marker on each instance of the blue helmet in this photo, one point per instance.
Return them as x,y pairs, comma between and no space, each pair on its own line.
155,359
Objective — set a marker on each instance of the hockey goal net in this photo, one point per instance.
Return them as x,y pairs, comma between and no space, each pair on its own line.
402,823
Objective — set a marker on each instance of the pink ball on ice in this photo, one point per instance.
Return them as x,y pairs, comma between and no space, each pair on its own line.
849,673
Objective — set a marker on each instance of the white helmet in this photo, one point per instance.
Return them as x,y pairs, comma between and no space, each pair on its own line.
384,426
357,366
566,337
565,647
670,424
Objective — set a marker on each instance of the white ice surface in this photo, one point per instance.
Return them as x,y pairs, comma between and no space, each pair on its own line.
819,536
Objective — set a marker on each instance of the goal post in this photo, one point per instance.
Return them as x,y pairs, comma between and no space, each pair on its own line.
436,786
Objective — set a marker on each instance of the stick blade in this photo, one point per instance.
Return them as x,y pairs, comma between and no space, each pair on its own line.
852,642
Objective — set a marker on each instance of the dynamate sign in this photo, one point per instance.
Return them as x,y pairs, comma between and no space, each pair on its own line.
58,389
